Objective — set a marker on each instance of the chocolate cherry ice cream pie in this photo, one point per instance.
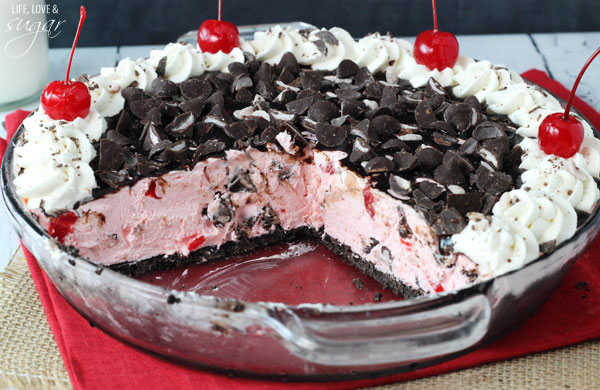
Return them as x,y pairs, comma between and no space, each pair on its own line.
427,180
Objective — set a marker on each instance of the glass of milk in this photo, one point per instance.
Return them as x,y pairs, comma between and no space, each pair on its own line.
23,51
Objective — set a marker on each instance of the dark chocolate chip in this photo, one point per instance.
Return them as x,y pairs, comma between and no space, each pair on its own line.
379,164
492,182
493,151
449,222
152,136
396,108
244,96
327,36
278,117
154,116
364,130
404,161
353,108
399,186
385,125
236,68
346,68
320,44
378,111
489,201
216,99
285,77
347,94
126,125
372,91
140,108
220,81
237,130
131,94
289,62
422,200
265,90
472,101
363,77
433,88
241,182
195,105
549,247
488,130
429,158
146,167
329,135
449,174
468,148
361,151
425,111
513,160
269,134
323,111
310,81
393,145
163,88
116,137
202,130
158,148
294,132
444,127
182,125
218,116
110,156
411,98
176,152
300,106
390,91
451,157
462,116
465,203
431,190
241,81
114,179
224,212
161,67
207,148
194,88
443,139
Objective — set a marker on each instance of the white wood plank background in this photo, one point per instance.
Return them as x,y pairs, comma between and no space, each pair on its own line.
561,55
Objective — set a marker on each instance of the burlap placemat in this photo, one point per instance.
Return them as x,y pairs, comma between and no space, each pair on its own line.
29,358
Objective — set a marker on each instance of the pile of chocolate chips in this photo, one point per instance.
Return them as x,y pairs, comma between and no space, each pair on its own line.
444,155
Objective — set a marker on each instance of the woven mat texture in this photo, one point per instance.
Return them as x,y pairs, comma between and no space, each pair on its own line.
29,357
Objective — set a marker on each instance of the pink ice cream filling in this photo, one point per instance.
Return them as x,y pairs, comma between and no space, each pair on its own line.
182,211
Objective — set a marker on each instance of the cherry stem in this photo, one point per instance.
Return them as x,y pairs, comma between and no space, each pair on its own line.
220,8
435,24
82,14
576,84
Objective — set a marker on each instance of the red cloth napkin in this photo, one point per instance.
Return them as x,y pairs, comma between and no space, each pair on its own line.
97,361
11,123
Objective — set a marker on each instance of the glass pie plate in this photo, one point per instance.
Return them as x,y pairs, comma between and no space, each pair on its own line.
247,315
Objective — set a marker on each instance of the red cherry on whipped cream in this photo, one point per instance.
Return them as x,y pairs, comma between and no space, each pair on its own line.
67,99
436,49
217,35
561,134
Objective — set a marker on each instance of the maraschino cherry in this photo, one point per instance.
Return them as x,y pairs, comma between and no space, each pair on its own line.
67,99
436,49
561,134
215,35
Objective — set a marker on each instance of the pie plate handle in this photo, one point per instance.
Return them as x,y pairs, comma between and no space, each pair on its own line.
394,332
